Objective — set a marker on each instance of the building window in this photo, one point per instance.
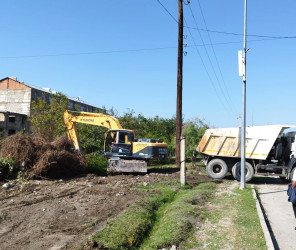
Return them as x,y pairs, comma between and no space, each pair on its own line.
11,119
35,96
11,131
71,105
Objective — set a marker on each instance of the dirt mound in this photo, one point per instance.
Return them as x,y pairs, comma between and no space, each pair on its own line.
40,159
62,143
58,164
23,148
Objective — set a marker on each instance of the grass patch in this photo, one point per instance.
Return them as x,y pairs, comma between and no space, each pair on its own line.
230,221
175,220
247,221
165,218
129,228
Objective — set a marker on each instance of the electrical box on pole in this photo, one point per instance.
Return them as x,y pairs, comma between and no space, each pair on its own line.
241,63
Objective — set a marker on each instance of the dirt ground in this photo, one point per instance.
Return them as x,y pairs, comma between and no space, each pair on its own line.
61,214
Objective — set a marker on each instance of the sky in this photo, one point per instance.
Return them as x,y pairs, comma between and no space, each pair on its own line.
123,55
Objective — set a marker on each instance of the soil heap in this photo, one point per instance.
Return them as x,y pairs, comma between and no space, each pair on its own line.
37,158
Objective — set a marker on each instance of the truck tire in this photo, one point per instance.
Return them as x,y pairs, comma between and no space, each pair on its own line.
278,151
236,171
217,169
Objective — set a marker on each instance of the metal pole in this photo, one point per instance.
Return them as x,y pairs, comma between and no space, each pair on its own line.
243,130
183,158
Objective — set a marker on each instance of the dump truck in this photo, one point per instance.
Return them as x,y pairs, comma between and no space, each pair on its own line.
270,151
126,153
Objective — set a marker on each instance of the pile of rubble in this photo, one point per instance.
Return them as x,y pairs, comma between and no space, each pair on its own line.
36,158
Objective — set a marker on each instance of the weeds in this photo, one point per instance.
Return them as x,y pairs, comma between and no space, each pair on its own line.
8,168
96,164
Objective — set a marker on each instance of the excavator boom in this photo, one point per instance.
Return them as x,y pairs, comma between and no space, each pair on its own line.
97,119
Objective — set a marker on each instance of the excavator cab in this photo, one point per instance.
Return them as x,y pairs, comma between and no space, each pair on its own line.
118,143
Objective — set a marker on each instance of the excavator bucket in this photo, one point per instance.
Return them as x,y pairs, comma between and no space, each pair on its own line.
126,166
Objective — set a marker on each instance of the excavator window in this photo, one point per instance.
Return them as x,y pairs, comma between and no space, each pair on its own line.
125,137
119,142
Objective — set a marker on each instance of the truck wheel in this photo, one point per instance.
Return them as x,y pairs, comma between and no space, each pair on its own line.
278,151
217,169
236,171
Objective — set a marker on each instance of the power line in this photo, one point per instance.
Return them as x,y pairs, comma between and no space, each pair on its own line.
123,51
168,11
225,32
211,64
240,34
205,68
88,53
215,56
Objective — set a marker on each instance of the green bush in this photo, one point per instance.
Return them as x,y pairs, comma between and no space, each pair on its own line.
8,169
96,164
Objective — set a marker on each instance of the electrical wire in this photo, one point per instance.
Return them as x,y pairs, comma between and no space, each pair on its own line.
240,34
87,53
212,66
224,32
168,11
123,51
214,53
205,68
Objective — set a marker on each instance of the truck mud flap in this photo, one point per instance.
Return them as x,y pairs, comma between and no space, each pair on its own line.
127,166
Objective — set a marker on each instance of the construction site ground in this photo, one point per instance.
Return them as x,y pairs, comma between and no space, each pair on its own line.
61,214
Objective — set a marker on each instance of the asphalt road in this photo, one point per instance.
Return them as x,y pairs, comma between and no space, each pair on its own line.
279,212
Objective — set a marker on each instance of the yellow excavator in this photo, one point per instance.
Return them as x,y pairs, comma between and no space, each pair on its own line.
126,153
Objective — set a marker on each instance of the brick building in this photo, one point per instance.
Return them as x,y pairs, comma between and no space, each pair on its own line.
15,104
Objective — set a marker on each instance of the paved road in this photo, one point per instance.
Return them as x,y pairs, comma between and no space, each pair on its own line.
273,196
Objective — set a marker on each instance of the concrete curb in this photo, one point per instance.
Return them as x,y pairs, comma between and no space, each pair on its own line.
266,232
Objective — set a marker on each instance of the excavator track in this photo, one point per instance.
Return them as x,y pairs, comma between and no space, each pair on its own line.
128,166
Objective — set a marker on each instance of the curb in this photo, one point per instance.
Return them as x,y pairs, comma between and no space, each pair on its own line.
266,232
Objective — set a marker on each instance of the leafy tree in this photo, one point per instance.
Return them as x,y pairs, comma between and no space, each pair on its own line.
91,138
47,118
193,130
156,128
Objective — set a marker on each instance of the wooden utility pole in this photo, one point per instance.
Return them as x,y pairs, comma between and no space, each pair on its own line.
179,85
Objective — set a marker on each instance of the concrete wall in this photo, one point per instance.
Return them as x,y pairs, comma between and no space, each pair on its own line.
14,97
17,101
11,123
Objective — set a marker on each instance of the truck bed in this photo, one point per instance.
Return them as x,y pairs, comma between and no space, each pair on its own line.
226,141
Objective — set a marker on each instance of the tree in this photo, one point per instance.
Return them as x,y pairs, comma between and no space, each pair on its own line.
47,116
91,138
156,128
193,130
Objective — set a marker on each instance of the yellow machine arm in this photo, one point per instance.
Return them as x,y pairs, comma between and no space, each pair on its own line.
97,119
